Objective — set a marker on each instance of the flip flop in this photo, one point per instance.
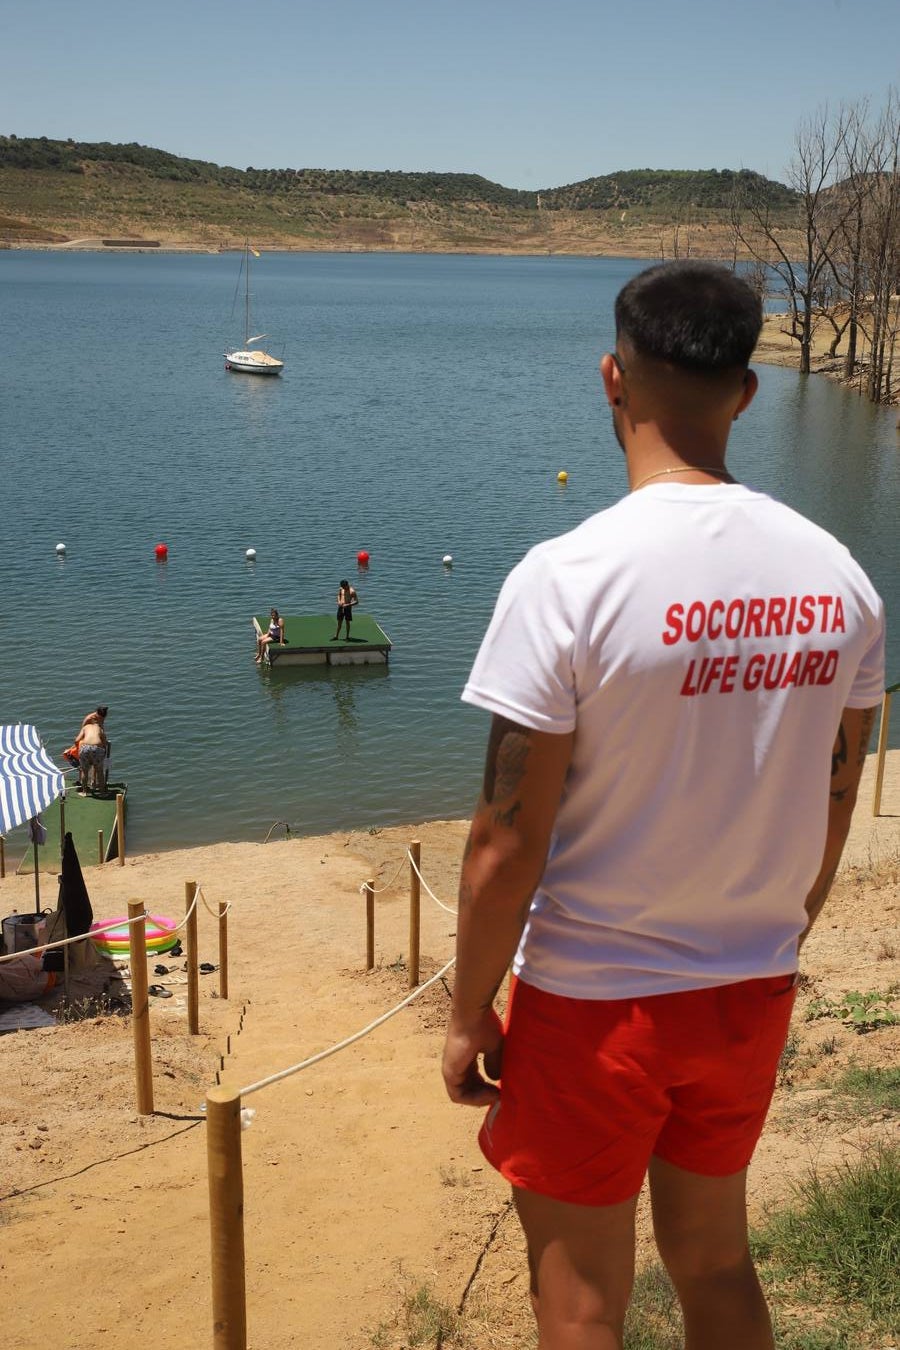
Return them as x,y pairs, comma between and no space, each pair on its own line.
160,970
207,967
159,991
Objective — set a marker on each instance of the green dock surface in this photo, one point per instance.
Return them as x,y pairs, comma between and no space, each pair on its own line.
309,640
84,816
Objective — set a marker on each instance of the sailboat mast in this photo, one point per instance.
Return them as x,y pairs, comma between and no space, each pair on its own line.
247,297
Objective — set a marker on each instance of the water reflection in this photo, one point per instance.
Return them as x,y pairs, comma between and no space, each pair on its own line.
285,686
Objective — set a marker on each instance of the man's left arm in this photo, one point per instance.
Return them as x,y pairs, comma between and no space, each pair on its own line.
524,775
847,761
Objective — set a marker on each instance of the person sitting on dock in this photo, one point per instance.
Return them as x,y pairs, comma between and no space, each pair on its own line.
346,599
92,750
275,634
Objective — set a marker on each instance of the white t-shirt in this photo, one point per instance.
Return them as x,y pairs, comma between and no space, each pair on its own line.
702,641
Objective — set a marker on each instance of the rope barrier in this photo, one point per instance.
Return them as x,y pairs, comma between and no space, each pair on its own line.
349,1040
95,932
65,942
188,913
427,887
377,890
216,913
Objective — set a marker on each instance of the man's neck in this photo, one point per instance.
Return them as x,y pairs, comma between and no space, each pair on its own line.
692,453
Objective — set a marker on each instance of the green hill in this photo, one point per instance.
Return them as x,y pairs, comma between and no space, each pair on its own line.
666,191
60,190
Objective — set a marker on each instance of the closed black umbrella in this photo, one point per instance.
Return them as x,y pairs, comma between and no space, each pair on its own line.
73,902
73,896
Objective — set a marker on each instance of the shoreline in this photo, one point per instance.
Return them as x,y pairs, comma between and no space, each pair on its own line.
873,841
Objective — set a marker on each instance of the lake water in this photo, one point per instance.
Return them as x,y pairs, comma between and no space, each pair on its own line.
426,408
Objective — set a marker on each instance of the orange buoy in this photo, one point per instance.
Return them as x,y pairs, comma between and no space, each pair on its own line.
161,551
362,558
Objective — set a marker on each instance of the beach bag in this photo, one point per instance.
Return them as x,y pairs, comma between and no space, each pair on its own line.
24,979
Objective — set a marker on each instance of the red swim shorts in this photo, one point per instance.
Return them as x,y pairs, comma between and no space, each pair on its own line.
591,1090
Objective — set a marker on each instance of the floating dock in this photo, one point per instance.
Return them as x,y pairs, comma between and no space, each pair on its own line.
309,641
84,818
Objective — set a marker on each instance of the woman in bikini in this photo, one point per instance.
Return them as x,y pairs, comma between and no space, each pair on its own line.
275,634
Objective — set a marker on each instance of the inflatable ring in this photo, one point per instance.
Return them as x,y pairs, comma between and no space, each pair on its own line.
161,935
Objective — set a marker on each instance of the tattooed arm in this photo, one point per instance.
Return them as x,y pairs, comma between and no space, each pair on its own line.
847,762
502,865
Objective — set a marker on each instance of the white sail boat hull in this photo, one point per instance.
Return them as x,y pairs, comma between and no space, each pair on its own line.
253,363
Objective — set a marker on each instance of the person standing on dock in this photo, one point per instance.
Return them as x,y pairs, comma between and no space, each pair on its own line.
346,599
682,690
92,751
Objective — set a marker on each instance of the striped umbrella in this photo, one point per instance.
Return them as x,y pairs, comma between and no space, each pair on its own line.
29,782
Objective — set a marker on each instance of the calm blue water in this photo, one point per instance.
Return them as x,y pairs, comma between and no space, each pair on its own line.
427,406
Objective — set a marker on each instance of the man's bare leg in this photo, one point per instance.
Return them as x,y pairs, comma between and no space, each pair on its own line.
701,1232
581,1260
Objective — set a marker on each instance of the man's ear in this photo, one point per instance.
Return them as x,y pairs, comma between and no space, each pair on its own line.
751,384
612,379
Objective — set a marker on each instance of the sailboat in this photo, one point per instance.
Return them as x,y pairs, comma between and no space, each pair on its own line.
251,361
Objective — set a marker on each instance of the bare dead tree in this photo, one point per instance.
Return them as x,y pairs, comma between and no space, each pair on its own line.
806,271
881,253
847,205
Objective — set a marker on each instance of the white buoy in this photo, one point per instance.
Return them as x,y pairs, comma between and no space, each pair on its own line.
60,548
250,554
447,560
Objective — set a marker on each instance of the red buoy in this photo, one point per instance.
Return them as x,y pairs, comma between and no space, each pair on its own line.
362,558
162,550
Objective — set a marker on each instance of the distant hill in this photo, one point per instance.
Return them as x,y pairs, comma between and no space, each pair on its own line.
668,191
60,190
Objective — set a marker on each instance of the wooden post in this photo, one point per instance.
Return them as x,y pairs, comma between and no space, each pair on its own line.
2,858
120,827
370,925
140,1010
190,891
223,949
226,1218
882,749
37,880
415,896
100,851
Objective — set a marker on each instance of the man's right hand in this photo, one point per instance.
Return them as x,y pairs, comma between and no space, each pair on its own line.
464,1083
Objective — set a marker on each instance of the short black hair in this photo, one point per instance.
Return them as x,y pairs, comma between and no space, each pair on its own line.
696,315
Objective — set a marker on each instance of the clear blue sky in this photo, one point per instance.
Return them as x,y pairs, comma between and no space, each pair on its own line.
529,94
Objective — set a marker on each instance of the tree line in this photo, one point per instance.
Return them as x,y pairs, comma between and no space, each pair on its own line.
658,190
665,190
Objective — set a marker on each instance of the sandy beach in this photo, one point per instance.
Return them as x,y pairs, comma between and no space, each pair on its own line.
363,1186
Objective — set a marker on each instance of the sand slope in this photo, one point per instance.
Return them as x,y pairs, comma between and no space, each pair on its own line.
361,1182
